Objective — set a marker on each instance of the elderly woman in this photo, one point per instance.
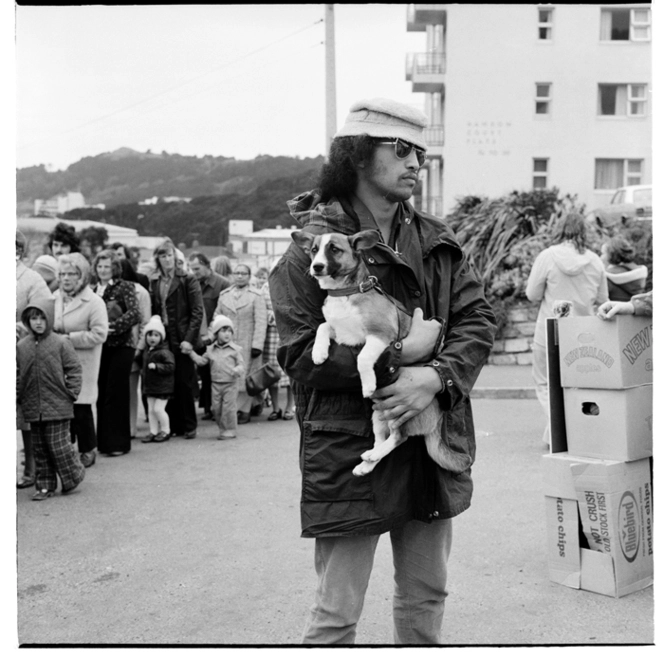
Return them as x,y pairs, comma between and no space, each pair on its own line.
81,315
246,308
113,429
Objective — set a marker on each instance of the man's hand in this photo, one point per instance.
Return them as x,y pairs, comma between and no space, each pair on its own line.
418,345
409,395
610,308
185,347
152,366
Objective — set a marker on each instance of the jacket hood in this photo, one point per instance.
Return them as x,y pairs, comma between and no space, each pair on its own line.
47,306
317,217
569,260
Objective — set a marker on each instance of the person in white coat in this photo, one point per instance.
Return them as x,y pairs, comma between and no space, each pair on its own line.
566,271
80,314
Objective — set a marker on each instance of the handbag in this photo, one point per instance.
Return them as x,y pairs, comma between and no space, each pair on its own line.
262,379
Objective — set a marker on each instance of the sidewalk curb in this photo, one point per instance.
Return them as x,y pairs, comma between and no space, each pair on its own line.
503,393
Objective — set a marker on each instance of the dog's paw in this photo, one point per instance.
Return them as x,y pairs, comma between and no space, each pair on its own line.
363,468
319,355
370,456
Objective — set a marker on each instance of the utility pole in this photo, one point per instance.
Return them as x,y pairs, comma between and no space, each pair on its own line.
330,79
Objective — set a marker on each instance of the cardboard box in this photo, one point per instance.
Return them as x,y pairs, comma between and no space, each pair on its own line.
609,424
598,353
599,523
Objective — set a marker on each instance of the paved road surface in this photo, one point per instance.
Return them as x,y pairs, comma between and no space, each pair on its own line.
197,542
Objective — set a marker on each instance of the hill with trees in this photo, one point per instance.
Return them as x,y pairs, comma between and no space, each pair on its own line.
205,218
126,176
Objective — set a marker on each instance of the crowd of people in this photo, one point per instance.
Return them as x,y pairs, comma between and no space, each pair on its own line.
194,329
101,337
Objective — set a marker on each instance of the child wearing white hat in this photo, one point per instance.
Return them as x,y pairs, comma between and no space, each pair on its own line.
158,379
226,371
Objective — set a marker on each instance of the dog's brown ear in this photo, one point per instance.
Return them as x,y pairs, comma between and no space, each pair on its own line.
364,240
303,239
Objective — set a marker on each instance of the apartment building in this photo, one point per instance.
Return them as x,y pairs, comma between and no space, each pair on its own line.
525,97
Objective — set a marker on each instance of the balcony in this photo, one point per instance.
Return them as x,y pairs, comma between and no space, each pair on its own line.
419,16
434,137
426,70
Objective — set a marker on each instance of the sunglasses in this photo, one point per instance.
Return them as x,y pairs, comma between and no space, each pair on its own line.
402,149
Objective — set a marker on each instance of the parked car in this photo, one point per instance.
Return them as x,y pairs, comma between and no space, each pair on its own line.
633,201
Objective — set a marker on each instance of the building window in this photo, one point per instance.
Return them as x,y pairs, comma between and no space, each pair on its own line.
625,25
611,174
545,24
543,98
622,100
540,173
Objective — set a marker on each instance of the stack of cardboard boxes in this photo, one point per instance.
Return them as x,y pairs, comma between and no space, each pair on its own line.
597,478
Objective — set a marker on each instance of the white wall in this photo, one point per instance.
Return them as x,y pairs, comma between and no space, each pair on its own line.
494,60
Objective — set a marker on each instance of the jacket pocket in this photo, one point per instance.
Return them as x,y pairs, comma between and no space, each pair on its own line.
331,449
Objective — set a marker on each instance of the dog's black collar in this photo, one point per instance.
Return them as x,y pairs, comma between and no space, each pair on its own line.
365,286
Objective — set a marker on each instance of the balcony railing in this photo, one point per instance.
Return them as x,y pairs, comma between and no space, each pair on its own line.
434,135
424,63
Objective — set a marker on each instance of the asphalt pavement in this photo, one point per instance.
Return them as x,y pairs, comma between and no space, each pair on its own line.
196,542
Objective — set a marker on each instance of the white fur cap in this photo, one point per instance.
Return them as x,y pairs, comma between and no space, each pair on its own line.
382,117
155,324
219,322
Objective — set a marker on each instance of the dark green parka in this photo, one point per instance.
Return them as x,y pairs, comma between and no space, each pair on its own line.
428,270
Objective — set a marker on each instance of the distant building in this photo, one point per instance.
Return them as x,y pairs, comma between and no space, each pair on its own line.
526,97
263,247
166,199
60,203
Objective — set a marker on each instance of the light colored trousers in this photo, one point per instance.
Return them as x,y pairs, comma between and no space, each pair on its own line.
419,551
224,406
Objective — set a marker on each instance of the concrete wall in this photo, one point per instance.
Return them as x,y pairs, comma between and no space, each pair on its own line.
494,60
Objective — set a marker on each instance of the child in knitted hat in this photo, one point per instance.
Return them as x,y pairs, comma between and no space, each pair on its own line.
226,372
158,379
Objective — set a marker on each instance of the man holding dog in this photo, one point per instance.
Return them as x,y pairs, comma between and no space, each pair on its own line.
371,172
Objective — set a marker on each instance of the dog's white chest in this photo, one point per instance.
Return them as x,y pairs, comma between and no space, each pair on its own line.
346,321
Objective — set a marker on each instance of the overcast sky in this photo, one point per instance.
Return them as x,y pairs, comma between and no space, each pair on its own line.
226,80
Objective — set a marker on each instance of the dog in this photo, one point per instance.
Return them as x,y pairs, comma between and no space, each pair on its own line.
357,313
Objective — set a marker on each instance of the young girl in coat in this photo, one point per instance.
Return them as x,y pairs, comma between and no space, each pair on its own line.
158,377
226,371
48,380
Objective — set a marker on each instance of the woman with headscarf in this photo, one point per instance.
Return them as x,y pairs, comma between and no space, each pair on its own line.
47,267
565,271
113,428
80,315
246,308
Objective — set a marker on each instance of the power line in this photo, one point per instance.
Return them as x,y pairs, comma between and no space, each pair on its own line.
177,86
225,80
